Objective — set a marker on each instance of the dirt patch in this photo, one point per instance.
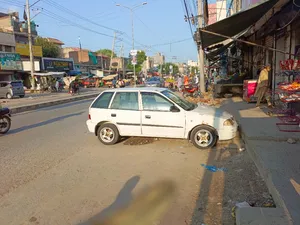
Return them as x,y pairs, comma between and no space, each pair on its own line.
139,141
220,191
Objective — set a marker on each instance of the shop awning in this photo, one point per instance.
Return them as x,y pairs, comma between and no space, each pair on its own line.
53,74
236,23
219,51
110,77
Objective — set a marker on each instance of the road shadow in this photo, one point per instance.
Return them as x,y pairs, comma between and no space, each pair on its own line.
64,105
57,119
122,200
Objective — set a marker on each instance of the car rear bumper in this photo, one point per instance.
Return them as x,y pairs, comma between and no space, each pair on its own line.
91,126
228,132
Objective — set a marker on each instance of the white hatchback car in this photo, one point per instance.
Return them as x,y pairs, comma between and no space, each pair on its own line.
157,112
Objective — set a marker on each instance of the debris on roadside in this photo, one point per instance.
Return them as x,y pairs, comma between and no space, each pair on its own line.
213,168
228,95
241,149
139,141
204,101
239,205
242,204
291,141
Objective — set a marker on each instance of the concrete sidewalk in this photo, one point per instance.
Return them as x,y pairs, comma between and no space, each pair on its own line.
35,101
277,161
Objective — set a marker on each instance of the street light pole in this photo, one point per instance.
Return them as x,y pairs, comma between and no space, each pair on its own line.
131,9
132,29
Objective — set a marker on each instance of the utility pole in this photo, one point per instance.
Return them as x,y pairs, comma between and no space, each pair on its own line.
112,51
80,48
122,58
200,50
30,45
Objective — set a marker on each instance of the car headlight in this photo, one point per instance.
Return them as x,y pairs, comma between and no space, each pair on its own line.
228,122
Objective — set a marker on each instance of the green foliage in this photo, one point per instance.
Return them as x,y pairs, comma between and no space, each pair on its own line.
141,57
194,70
49,49
106,52
166,68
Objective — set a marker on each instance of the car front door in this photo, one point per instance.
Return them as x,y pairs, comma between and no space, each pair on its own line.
160,117
125,113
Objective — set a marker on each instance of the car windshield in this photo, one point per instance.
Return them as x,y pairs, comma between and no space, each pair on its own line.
188,106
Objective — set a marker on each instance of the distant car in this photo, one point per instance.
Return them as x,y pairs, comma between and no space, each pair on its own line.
10,89
157,112
89,82
154,82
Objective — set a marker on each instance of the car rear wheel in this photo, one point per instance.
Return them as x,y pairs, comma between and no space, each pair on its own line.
9,96
22,96
108,134
204,137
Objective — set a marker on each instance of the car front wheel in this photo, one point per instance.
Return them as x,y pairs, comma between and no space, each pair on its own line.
108,134
204,137
9,96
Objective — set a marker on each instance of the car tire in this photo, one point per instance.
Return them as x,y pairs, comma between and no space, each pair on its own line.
108,134
207,133
22,96
9,96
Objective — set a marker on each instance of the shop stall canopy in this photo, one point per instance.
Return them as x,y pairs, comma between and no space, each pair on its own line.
235,24
53,74
110,77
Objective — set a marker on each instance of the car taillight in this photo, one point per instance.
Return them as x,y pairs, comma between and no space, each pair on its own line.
90,117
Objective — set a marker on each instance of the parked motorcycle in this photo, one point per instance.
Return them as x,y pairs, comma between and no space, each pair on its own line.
5,121
190,90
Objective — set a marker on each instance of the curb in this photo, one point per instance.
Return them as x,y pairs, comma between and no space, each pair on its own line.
26,108
264,172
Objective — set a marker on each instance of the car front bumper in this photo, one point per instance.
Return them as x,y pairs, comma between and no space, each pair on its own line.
228,132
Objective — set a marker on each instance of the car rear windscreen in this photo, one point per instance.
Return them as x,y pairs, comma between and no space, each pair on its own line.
16,84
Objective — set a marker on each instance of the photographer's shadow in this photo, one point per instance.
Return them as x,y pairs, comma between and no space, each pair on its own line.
122,200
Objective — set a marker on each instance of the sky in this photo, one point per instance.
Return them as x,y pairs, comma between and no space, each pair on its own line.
155,24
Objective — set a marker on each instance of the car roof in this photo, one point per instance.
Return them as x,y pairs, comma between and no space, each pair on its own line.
153,89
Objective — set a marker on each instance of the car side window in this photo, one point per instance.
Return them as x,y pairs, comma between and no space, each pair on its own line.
125,101
155,102
103,101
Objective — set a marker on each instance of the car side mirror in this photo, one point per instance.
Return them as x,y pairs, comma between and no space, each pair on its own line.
173,108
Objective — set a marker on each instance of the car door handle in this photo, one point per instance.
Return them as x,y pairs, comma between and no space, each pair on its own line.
113,115
148,117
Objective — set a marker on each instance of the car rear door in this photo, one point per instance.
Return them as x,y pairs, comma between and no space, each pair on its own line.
157,118
99,111
125,113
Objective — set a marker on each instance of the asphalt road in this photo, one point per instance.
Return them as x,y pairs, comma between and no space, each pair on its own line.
54,172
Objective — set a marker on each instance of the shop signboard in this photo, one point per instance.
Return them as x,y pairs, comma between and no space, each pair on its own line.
23,49
57,65
289,64
10,61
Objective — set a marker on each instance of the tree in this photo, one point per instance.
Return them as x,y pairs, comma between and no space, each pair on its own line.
106,52
194,70
49,49
140,58
166,68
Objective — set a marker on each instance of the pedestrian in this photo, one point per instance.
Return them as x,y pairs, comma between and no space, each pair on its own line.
114,82
206,85
196,79
262,86
57,85
179,83
186,80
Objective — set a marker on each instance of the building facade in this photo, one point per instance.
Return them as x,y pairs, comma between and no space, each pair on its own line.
159,59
